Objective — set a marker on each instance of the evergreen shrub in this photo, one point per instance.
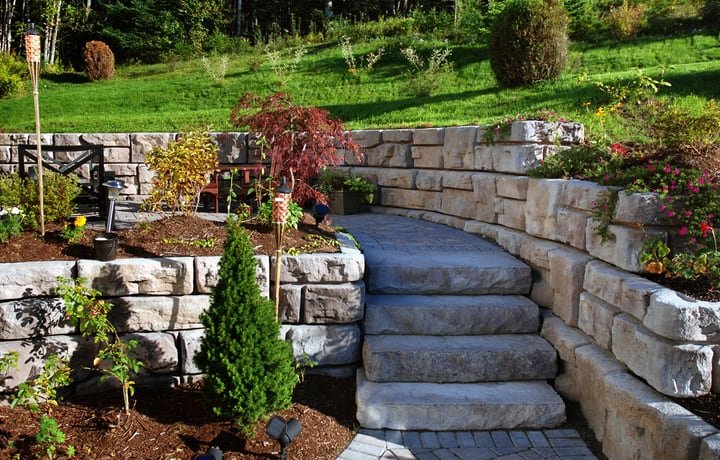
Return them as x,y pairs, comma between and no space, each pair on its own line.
529,42
249,370
99,61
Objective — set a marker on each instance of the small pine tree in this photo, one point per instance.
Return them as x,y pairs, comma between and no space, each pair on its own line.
249,370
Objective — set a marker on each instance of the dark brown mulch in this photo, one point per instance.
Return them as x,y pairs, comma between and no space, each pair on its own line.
177,423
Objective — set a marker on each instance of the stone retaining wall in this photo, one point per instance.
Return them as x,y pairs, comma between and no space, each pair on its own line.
158,303
626,344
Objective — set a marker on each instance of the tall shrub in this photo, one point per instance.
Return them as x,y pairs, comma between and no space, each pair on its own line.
300,141
249,370
529,42
99,61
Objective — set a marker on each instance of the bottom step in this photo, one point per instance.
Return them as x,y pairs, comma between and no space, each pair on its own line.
457,406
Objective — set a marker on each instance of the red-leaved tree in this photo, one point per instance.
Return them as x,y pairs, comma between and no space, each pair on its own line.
299,141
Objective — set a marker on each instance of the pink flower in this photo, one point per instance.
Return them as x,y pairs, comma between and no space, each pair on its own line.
683,231
671,214
667,168
676,172
606,178
663,207
711,216
688,213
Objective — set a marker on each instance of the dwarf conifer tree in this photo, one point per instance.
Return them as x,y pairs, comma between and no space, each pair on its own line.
249,369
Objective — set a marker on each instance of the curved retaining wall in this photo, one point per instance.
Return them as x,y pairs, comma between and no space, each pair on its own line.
626,344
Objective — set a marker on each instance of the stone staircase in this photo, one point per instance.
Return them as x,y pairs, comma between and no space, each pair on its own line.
451,343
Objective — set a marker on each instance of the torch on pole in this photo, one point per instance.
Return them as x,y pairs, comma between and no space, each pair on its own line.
32,55
280,212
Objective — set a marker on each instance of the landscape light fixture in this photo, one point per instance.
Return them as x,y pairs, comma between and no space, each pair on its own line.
32,56
213,453
321,210
280,213
284,432
114,187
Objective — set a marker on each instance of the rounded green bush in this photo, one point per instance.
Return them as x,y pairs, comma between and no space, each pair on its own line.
529,42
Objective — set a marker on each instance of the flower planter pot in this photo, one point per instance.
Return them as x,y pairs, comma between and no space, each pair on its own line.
345,202
106,246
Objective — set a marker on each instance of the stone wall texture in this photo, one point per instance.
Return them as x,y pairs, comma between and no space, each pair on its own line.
627,345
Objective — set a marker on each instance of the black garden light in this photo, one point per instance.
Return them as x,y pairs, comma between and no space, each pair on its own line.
114,187
284,432
321,210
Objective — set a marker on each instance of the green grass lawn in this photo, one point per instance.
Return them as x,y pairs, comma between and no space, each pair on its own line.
160,98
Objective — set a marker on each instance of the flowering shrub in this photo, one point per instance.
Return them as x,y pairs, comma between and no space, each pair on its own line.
360,65
11,223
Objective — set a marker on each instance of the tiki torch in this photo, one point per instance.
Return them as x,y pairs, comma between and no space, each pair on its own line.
280,211
32,54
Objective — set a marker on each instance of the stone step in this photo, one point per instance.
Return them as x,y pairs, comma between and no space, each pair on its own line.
450,272
455,406
458,359
450,315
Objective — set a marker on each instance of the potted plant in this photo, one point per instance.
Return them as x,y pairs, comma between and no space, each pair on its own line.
345,193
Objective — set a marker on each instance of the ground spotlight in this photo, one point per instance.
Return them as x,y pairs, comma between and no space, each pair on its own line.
283,432
321,211
213,453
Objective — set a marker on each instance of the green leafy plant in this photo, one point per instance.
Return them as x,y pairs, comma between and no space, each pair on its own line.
41,391
11,223
181,169
12,75
284,67
603,213
90,315
358,66
295,214
330,180
8,361
249,369
201,243
60,192
626,21
75,230
529,42
425,74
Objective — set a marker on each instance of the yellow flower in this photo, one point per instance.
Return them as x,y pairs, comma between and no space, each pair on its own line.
80,221
600,112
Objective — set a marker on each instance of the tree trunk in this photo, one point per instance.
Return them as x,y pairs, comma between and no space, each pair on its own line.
8,9
239,18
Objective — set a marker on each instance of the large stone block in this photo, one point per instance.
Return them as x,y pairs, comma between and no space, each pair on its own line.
400,136
519,159
682,319
390,156
397,178
157,351
636,294
116,155
119,277
623,249
427,157
460,203
541,209
142,143
677,370
232,147
33,317
28,279
207,270
567,273
34,353
639,209
158,313
458,180
565,339
459,147
322,268
571,227
428,136
334,303
514,187
412,199
582,195
326,345
367,138
510,213
643,424
535,252
290,305
429,179
595,318
189,344
604,281
545,132
594,368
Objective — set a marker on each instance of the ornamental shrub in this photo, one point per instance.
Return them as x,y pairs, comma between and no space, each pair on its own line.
181,170
249,369
12,73
529,42
99,61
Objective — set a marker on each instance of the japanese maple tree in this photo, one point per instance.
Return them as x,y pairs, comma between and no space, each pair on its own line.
299,141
